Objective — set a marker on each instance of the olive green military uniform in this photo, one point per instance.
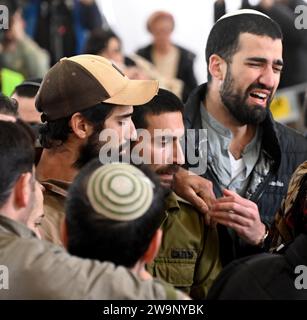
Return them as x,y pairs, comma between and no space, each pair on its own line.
54,210
41,270
189,253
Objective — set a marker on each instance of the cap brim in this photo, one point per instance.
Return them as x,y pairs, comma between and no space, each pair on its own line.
135,93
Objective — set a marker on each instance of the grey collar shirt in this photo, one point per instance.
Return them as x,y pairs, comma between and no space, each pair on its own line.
219,139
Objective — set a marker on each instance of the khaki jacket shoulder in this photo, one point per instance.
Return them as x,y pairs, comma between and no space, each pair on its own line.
42,270
54,210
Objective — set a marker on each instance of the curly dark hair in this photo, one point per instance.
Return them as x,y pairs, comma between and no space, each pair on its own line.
55,133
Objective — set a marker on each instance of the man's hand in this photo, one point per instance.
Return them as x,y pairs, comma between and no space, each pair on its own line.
195,189
241,215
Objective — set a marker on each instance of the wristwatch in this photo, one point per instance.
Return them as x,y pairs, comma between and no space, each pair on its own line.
262,240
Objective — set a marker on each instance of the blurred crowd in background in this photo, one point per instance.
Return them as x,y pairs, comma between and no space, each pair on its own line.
41,32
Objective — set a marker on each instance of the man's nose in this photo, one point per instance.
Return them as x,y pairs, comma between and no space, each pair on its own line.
268,77
178,156
132,132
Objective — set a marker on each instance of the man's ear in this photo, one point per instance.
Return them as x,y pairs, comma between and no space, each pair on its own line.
22,190
153,247
80,126
63,233
217,67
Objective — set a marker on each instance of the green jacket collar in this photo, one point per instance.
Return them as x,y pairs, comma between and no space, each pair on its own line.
172,202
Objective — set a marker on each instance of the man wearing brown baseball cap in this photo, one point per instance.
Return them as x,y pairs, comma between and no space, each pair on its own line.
83,81
79,98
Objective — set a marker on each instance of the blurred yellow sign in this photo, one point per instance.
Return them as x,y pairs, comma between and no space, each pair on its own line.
280,107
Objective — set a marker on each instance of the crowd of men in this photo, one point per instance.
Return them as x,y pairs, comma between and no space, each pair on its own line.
107,205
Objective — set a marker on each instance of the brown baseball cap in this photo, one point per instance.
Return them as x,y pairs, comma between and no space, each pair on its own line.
77,83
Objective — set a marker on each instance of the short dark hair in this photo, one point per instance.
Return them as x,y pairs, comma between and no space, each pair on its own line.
28,88
54,133
164,101
16,154
98,40
8,106
121,242
223,39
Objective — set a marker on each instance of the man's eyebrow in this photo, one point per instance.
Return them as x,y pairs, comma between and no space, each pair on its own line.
126,115
264,60
166,136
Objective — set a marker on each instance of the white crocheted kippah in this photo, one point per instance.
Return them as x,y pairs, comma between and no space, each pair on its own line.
120,191
242,11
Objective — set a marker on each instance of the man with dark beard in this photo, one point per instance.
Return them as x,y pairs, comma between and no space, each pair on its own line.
189,253
81,98
32,269
250,157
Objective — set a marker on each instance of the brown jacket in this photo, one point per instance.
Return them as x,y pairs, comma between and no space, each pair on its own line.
54,210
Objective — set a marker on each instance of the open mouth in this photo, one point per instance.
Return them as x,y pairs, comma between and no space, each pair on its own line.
259,97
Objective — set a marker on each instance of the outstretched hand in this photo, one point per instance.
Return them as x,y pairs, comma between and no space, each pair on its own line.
195,189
